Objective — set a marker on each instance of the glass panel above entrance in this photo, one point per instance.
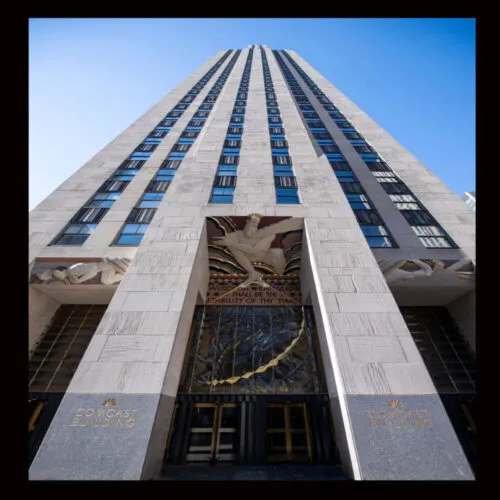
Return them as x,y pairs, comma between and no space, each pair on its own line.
253,350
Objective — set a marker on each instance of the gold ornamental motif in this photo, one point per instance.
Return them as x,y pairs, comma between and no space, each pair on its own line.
109,402
394,403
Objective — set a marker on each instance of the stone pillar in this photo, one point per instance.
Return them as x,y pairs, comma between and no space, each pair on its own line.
113,422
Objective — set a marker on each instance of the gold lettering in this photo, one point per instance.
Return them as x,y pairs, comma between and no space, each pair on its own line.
126,413
112,410
421,413
106,422
427,423
381,414
396,424
373,422
76,421
101,412
130,422
79,410
118,413
418,424
91,410
389,414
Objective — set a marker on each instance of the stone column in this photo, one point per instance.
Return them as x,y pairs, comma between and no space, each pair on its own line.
389,420
113,421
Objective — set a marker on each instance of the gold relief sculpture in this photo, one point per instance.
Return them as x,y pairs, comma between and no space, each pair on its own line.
253,245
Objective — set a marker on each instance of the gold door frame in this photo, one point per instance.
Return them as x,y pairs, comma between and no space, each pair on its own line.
288,430
215,446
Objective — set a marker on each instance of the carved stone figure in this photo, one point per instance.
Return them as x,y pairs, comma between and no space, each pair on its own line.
112,271
254,245
395,274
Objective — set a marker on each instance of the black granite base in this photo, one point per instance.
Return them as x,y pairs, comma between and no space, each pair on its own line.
406,438
97,437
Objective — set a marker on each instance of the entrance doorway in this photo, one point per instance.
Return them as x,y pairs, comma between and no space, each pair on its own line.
288,433
213,433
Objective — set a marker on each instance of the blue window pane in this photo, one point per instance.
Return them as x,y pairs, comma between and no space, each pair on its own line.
140,155
228,168
280,173
221,199
366,156
142,228
371,160
164,178
107,203
277,137
73,229
130,228
98,204
288,199
193,129
280,151
129,239
358,205
149,204
88,228
175,155
185,140
343,173
233,136
286,192
346,179
100,196
72,239
356,197
152,196
374,230
123,177
163,129
222,191
129,171
228,173
152,140
349,130
113,196
379,242
166,171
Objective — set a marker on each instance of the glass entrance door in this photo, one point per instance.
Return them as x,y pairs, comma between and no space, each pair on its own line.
213,433
288,433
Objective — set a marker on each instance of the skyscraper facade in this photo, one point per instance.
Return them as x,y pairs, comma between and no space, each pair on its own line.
253,280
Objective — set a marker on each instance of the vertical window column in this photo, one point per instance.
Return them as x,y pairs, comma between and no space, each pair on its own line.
227,171
285,182
141,215
84,222
428,230
372,225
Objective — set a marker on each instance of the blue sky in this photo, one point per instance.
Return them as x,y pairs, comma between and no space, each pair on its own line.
89,79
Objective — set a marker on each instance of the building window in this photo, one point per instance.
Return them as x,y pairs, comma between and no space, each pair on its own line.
132,234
